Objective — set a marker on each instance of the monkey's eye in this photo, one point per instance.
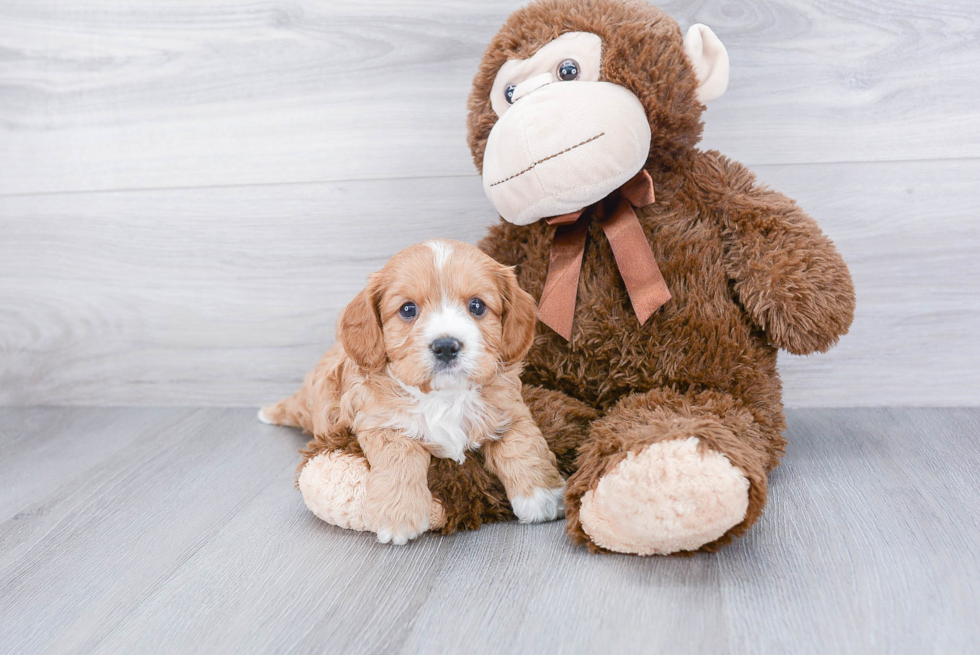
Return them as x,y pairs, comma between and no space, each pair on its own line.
408,311
568,70
477,307
509,93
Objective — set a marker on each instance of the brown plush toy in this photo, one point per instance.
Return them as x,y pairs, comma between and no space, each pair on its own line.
667,279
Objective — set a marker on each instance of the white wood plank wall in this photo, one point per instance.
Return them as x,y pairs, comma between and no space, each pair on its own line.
191,191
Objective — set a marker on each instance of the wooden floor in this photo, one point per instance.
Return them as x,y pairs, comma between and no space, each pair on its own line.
179,530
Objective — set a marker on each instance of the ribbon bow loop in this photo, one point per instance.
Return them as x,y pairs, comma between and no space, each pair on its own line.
637,265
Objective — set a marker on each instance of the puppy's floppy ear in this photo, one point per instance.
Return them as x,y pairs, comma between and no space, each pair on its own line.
359,329
518,318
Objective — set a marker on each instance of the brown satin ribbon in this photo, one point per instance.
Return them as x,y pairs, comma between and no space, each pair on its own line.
615,213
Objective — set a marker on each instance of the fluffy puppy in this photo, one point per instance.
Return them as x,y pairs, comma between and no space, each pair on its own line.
427,362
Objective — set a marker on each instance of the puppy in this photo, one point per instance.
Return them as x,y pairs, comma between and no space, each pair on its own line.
427,362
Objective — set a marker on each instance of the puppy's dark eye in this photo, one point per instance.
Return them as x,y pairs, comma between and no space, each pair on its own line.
477,307
408,311
509,93
568,70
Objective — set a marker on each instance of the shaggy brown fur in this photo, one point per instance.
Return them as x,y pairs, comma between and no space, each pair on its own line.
749,272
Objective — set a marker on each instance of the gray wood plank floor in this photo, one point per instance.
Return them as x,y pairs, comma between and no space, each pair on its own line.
179,530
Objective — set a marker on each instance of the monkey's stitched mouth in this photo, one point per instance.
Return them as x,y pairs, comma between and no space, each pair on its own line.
541,161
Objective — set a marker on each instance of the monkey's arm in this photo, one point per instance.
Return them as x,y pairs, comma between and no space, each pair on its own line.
786,272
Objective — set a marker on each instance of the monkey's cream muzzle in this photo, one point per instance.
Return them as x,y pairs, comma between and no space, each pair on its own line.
563,146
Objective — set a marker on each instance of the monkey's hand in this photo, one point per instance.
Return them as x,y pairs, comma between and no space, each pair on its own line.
786,272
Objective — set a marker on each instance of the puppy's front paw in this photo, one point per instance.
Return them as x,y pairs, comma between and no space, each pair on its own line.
401,529
400,515
399,536
542,505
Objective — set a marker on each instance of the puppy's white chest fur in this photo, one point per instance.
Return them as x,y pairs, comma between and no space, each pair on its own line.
443,419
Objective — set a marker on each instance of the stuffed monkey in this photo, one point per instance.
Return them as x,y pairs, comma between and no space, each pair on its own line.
667,279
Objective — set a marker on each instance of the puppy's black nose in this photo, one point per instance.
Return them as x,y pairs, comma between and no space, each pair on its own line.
446,348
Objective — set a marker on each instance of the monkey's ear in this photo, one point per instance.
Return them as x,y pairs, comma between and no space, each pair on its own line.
710,60
359,328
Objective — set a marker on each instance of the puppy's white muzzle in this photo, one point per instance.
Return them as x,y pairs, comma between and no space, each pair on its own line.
452,322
